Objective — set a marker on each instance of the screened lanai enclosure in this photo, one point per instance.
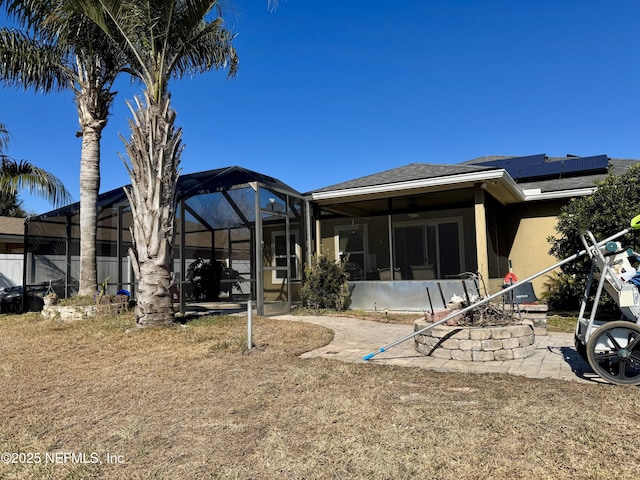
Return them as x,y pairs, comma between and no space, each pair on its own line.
239,236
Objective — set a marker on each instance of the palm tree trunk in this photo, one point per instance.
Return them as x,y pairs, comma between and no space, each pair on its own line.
154,154
93,100
89,189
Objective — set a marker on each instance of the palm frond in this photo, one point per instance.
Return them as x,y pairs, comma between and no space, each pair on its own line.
30,63
17,175
123,23
165,38
208,46
29,13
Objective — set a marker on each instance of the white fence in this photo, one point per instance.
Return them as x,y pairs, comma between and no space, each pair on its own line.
43,269
10,269
52,267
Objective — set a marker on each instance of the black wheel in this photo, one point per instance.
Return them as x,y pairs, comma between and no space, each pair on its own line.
581,348
613,352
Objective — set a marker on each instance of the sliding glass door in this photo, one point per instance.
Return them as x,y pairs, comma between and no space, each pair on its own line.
428,250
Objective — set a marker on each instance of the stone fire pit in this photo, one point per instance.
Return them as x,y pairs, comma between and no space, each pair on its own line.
476,344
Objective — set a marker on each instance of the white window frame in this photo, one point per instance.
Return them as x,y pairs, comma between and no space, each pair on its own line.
295,256
365,242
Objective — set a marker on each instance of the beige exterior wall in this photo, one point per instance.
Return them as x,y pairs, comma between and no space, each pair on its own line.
277,291
529,252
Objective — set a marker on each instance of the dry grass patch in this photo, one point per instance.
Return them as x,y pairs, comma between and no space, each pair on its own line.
192,402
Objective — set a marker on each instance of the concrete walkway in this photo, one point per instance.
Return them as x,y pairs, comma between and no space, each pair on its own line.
555,355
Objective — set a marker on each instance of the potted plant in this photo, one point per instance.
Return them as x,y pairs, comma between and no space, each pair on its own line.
50,298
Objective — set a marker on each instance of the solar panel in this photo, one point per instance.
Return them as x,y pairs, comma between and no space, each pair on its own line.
528,160
515,161
514,166
536,166
519,165
545,169
585,164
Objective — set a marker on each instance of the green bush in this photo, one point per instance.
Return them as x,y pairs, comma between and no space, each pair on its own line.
562,292
326,285
606,212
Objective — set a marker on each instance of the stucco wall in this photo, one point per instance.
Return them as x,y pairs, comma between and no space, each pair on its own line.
529,251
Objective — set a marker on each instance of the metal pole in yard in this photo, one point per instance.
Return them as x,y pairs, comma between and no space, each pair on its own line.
249,325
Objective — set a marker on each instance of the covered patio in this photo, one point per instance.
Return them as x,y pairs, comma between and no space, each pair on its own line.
415,236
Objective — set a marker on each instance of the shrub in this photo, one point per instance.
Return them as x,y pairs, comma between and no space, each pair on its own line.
205,275
562,292
608,211
326,285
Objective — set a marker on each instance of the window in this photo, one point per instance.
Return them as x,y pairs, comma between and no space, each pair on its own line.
279,247
351,244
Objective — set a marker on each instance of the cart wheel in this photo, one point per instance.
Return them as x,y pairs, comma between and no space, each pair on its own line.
613,352
581,348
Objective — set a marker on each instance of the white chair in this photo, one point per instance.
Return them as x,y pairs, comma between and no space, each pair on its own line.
385,274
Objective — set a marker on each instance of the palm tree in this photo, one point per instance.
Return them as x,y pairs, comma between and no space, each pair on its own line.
67,53
16,175
162,39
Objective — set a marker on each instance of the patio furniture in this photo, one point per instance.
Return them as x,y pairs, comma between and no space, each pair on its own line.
385,274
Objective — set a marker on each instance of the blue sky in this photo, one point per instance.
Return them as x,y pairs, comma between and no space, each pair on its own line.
334,90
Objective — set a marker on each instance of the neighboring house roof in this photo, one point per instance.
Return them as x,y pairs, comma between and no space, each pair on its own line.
12,226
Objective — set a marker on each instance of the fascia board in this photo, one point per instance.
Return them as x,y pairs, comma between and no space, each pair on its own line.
411,185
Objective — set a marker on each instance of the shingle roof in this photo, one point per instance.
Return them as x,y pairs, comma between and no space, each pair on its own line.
419,171
11,226
413,171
